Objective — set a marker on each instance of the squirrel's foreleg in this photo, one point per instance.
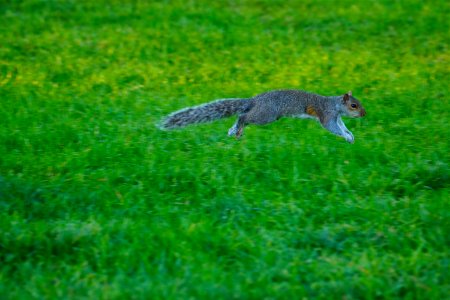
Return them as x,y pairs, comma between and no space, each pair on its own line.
348,134
337,127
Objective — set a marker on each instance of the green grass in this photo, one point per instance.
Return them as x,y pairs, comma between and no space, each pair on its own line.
96,202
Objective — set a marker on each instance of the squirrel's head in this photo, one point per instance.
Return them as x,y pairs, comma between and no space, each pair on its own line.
352,107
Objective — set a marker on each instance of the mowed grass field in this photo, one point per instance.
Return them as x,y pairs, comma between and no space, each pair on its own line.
97,203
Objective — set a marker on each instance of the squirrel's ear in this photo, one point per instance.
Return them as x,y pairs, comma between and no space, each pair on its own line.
346,97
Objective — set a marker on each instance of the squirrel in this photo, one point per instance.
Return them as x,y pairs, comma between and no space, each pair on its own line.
271,106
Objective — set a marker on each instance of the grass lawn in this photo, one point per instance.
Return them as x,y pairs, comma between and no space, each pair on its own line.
97,203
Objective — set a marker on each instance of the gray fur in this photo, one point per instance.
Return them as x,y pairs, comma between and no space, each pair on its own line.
271,106
204,113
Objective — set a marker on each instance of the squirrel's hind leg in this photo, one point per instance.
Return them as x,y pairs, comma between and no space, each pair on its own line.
233,130
238,128
239,132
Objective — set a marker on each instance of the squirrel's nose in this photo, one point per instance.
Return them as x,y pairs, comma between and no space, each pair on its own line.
363,112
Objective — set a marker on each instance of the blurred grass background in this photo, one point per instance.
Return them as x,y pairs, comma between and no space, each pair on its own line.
96,202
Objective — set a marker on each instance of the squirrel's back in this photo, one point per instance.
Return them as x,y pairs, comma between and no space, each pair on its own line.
289,102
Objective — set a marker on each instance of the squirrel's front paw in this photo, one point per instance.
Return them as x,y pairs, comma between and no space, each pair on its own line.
349,137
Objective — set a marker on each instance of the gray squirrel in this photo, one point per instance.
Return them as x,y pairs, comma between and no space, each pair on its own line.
271,106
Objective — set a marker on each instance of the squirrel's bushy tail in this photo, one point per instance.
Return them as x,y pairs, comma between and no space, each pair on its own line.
207,112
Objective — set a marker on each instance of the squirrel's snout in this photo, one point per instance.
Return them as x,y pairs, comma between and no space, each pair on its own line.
363,112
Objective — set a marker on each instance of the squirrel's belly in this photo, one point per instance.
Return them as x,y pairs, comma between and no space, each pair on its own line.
304,116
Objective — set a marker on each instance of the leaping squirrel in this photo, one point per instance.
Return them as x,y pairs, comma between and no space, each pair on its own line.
271,106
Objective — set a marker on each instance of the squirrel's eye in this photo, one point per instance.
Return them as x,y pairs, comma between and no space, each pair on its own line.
353,105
